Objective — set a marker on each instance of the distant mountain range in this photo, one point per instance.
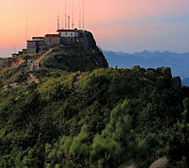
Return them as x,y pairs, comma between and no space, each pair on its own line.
179,63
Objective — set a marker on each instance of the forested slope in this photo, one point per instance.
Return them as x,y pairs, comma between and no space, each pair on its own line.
116,117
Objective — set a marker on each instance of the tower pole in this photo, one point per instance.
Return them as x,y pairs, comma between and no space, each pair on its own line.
80,19
83,15
58,24
68,22
72,14
65,15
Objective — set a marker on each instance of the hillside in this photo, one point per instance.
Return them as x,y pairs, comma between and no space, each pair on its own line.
101,118
26,67
177,62
75,59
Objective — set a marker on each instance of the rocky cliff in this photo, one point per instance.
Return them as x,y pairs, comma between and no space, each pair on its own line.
81,56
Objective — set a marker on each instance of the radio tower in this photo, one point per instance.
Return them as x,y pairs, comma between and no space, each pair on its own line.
80,19
58,24
68,22
65,16
83,15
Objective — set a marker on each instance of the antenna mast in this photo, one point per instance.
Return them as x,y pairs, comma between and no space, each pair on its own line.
58,24
68,22
80,19
72,14
65,16
83,15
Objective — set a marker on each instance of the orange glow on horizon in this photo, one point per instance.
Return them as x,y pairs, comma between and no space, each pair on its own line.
107,19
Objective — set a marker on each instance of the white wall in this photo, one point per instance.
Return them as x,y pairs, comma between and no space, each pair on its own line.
69,34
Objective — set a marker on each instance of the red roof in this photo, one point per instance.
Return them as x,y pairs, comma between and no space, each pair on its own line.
66,30
52,35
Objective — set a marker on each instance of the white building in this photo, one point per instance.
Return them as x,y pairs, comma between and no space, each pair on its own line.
68,33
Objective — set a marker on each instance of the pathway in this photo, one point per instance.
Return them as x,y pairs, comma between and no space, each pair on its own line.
43,56
32,78
76,82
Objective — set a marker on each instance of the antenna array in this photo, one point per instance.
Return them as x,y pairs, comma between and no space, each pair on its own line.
69,19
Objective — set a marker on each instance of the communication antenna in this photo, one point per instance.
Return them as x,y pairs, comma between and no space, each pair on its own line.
83,15
58,23
72,14
65,16
68,22
80,19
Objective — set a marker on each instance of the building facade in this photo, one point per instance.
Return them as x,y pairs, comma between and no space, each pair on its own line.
65,37
52,39
68,33
35,45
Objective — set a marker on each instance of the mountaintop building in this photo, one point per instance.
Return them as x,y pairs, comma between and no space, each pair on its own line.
65,37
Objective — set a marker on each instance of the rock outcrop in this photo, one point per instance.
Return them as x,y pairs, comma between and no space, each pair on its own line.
159,163
89,41
127,165
166,71
176,82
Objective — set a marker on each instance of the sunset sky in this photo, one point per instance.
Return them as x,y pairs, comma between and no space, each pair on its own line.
118,25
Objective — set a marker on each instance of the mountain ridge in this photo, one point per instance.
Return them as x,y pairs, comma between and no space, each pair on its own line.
178,62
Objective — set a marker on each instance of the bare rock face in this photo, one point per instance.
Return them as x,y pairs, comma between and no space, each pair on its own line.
126,166
136,67
159,163
176,82
166,71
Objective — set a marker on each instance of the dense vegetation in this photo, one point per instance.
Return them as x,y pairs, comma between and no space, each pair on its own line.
118,116
75,59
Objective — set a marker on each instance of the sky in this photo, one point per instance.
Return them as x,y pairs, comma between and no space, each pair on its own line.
117,25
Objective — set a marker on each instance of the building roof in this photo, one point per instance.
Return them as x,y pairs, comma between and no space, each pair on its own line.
52,35
32,41
38,38
66,30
